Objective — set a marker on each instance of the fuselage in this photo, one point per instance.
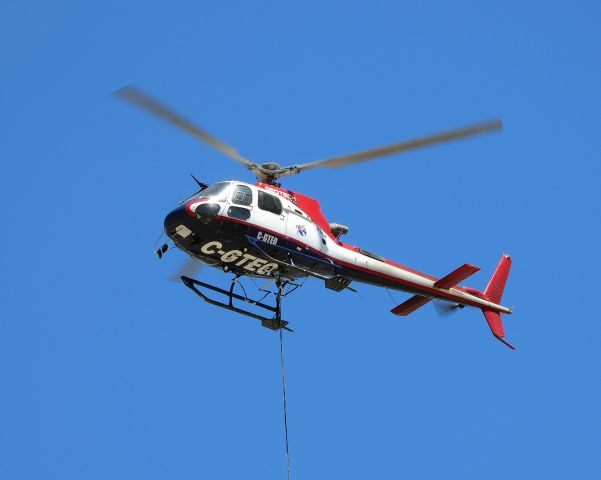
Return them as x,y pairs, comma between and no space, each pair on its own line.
265,231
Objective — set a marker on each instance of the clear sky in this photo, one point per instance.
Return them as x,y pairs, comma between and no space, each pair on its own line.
107,370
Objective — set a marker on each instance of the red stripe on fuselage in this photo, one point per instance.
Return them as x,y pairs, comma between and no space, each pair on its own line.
194,202
312,208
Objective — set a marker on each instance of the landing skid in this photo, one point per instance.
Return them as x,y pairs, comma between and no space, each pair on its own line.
274,323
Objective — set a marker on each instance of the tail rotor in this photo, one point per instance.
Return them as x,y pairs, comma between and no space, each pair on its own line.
445,309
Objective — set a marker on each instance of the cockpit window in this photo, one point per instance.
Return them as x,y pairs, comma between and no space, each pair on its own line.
213,190
269,202
242,195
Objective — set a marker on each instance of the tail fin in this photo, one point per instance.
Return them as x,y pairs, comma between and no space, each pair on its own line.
494,293
494,289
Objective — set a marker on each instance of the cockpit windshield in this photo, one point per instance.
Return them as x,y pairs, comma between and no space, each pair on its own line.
212,190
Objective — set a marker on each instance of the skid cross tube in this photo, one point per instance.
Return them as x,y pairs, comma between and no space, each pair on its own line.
275,323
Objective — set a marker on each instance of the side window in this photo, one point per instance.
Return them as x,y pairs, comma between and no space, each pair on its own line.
239,213
270,203
242,195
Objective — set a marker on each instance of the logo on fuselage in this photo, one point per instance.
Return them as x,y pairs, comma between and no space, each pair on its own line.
276,191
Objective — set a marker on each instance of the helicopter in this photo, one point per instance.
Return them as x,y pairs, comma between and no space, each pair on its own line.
261,230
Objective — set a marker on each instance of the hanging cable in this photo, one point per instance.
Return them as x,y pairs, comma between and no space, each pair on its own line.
284,392
279,319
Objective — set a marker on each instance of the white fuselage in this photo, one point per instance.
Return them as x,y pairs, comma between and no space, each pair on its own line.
296,226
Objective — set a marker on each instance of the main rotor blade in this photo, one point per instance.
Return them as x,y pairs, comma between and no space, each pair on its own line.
400,147
145,102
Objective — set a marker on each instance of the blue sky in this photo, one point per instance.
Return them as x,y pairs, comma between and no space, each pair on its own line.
109,371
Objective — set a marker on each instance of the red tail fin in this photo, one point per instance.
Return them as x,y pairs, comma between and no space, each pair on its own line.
494,293
494,289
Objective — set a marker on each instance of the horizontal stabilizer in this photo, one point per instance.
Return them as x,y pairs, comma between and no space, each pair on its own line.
456,276
410,305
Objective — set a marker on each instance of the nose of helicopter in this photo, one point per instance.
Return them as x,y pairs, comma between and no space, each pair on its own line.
193,217
176,222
